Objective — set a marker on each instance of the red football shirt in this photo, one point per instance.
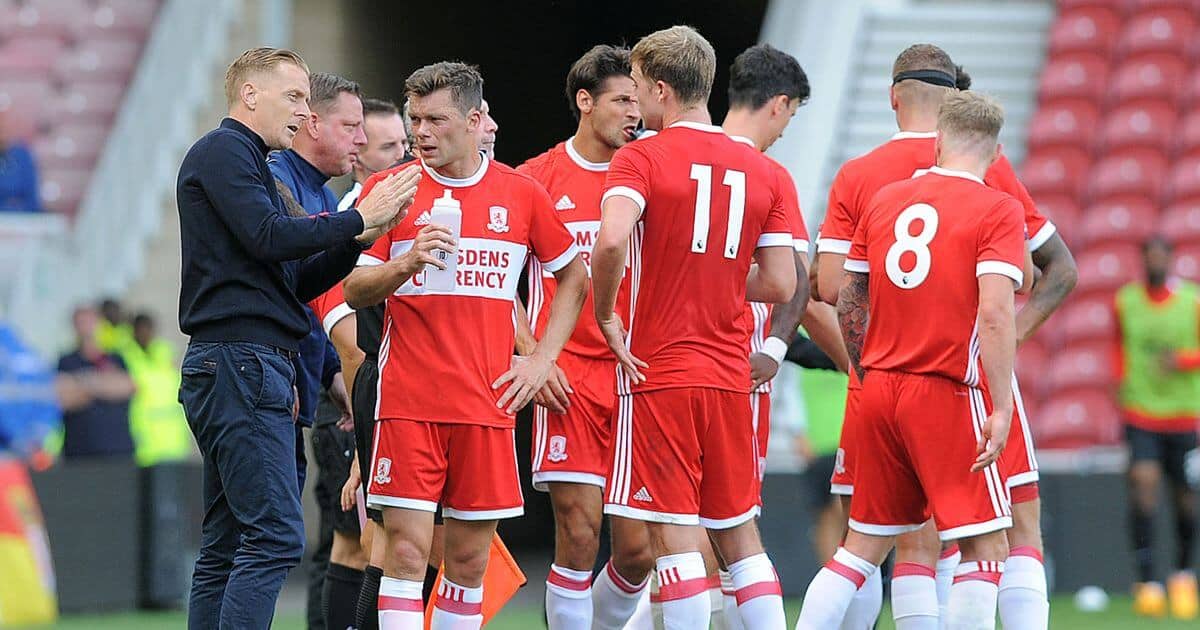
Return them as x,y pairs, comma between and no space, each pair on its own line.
331,307
441,352
575,185
924,241
708,202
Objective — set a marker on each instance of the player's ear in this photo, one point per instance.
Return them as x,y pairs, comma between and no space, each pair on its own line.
474,119
310,124
583,100
892,98
661,88
779,105
249,95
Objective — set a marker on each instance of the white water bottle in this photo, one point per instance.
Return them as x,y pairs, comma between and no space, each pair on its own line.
446,212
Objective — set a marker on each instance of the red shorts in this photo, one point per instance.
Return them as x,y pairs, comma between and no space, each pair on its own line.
574,447
921,432
1018,462
842,481
760,410
469,468
684,456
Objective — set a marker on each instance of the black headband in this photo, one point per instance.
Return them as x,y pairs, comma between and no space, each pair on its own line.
933,77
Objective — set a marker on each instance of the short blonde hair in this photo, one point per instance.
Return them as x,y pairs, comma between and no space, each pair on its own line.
256,60
680,57
970,118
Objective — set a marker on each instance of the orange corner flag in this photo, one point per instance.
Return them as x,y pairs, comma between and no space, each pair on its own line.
501,581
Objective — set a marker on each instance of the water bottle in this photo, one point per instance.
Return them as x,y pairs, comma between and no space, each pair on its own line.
446,212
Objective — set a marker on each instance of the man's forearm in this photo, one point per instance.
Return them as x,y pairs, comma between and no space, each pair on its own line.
564,309
607,264
997,348
525,341
821,322
853,308
1059,275
830,276
368,286
787,316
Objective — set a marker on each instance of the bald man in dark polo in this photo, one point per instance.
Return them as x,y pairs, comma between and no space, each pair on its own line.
247,268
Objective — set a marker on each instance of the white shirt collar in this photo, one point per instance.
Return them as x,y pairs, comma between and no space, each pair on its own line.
452,182
744,140
583,163
905,135
697,126
937,170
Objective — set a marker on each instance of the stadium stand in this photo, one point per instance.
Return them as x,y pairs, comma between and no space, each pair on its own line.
1117,133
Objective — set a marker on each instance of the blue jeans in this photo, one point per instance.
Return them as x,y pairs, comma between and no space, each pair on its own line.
238,399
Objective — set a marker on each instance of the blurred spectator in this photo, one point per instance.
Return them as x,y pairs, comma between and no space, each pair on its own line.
1159,367
18,174
94,390
387,142
113,332
28,408
156,421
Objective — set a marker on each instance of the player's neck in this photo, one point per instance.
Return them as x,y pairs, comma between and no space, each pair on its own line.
591,148
963,163
740,122
916,123
461,168
695,113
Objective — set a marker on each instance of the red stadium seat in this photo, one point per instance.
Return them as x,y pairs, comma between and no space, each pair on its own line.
1186,263
1142,5
89,101
1057,123
1128,220
1088,319
1032,362
1191,87
1055,171
1157,31
1131,172
1063,211
1184,182
1104,268
1082,365
23,100
106,58
133,17
1087,29
72,145
1187,134
53,18
1139,125
63,189
1085,417
34,54
1076,75
1181,222
1155,77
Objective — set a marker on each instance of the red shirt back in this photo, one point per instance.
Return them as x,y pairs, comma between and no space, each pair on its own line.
708,202
924,241
441,352
575,186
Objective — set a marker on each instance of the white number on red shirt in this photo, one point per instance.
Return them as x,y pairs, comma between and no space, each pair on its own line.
918,244
736,181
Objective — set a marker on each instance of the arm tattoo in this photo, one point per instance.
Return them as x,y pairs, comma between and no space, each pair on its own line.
854,314
1059,275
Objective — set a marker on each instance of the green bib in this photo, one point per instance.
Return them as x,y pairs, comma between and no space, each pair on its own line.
1147,331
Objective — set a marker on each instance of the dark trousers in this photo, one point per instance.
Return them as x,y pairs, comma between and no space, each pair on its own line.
238,399
333,450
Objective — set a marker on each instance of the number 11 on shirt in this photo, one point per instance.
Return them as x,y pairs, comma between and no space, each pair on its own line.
736,181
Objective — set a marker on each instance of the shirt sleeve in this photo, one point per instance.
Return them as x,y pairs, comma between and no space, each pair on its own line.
1001,243
837,231
331,308
777,229
856,254
1001,176
549,239
791,202
231,180
629,176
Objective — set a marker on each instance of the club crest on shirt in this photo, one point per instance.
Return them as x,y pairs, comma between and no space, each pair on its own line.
383,471
499,222
558,449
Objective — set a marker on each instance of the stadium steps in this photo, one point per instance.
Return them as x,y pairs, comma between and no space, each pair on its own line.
1001,45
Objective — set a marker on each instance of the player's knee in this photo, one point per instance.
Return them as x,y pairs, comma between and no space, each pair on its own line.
407,555
992,546
634,563
467,565
579,528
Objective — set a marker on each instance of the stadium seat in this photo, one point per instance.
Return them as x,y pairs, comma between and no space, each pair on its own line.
1155,77
1130,172
1084,417
51,18
133,17
1081,365
1125,220
24,100
1184,181
1138,125
1142,5
1191,89
29,55
1088,319
1087,29
1059,170
106,58
62,189
1158,30
1032,361
1104,268
87,101
1181,222
1075,75
1064,211
1187,134
1186,263
72,145
1070,122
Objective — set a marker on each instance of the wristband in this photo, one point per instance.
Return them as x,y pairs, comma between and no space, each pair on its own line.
775,348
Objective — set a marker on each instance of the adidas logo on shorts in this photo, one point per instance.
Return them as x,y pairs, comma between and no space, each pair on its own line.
643,495
423,219
564,203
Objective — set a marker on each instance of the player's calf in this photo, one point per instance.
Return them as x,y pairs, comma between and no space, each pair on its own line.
915,597
977,580
1023,598
577,518
755,584
624,580
835,585
408,535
